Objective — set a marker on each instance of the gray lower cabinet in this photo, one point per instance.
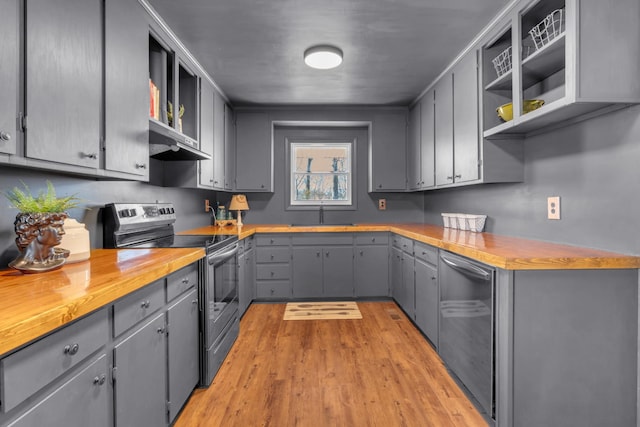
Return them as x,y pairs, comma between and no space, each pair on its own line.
183,342
83,400
126,147
426,315
322,265
9,75
246,276
371,265
64,102
273,266
397,285
402,274
140,379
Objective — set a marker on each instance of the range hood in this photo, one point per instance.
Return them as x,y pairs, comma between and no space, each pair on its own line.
166,143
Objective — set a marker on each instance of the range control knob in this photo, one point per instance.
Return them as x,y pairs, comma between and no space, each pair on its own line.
132,212
123,213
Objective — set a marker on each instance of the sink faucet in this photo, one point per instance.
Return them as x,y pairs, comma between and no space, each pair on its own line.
321,215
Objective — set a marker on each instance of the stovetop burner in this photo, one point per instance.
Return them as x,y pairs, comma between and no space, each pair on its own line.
150,225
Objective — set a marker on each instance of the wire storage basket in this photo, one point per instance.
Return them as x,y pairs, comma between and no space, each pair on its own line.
548,29
502,62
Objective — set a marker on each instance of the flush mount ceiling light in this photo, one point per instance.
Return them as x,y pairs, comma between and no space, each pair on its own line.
323,57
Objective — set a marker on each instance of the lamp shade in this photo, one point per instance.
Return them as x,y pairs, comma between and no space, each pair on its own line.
239,203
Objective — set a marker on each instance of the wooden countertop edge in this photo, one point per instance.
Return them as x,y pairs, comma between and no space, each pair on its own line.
17,333
568,258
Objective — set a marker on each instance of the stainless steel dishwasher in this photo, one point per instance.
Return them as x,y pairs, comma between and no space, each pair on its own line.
467,324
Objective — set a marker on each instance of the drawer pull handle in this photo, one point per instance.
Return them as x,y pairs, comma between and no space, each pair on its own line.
71,349
185,280
195,301
145,304
100,380
272,274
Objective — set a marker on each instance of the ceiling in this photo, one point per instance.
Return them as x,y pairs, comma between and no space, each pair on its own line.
392,48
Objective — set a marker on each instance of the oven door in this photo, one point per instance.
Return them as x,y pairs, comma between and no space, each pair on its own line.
221,291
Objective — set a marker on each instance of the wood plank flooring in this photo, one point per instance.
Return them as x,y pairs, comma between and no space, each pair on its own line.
376,371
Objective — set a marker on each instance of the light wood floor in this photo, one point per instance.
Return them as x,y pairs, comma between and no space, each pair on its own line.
377,371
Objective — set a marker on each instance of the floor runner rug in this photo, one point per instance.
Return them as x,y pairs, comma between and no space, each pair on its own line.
322,310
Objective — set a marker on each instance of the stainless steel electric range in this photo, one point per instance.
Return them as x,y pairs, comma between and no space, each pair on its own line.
151,225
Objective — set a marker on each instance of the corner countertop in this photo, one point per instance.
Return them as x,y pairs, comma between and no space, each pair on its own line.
508,253
33,305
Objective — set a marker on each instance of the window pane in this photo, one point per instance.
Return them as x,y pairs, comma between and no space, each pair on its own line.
325,187
321,159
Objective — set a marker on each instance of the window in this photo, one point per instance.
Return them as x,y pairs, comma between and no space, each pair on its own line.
321,173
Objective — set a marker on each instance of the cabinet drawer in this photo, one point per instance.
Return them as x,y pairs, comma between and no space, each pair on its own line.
135,307
248,243
273,289
182,280
372,238
403,243
272,271
273,240
426,253
313,239
273,255
30,369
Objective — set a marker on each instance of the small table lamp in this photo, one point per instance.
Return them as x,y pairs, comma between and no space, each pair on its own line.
239,203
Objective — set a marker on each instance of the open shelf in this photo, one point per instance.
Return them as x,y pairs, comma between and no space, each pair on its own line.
544,62
504,82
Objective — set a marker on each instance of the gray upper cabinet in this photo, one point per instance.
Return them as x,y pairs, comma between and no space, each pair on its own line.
229,147
466,131
218,142
444,130
64,81
587,61
126,147
387,153
421,144
414,175
9,76
207,123
254,152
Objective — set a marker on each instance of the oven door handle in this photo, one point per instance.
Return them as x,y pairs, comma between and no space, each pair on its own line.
219,256
467,268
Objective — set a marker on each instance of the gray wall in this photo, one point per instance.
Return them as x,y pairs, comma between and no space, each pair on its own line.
594,166
270,208
189,203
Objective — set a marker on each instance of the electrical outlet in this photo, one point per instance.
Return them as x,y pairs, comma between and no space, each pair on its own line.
553,207
207,207
382,204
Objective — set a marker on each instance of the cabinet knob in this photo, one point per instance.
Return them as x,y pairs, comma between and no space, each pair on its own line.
211,180
71,349
160,330
100,380
141,165
317,253
185,281
261,185
273,274
194,301
215,182
5,136
379,185
326,254
361,253
89,155
273,291
145,304
272,256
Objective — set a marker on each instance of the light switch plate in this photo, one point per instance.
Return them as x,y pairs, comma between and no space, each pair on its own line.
382,204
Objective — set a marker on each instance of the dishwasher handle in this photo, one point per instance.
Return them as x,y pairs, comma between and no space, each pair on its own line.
467,268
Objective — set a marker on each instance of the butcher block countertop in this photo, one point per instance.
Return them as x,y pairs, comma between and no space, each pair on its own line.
509,253
33,305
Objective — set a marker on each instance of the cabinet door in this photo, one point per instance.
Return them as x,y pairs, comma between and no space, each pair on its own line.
140,377
466,130
250,274
444,130
182,324
396,275
218,142
408,286
229,147
254,153
243,297
207,94
427,300
414,168
81,401
427,141
337,269
64,80
126,88
307,272
372,271
9,75
388,160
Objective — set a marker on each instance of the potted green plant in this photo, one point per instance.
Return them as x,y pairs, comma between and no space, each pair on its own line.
170,115
39,227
